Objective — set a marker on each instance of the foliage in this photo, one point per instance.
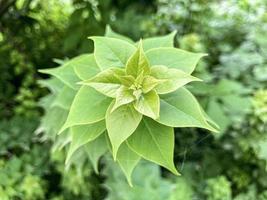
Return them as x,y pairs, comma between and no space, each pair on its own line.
50,30
232,33
260,105
27,27
154,187
11,137
218,189
146,82
24,174
16,142
231,72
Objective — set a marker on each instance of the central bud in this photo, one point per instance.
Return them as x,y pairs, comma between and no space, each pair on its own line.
137,86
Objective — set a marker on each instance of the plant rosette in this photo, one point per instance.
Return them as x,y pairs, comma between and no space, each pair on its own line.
126,98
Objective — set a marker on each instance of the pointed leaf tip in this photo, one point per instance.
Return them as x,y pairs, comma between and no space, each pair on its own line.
121,123
108,52
95,149
109,32
149,104
174,78
138,63
175,112
174,58
127,160
159,139
83,134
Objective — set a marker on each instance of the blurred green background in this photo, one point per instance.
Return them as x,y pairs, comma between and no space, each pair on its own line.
231,165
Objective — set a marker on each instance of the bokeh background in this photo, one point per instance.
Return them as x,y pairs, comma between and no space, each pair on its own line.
231,165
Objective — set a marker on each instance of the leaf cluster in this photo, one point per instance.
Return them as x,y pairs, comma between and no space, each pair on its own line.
128,98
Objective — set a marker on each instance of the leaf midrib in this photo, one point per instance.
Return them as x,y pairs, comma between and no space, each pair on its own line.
154,139
180,110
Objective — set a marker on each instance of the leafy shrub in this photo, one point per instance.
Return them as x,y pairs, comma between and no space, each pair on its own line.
25,175
233,33
145,83
218,189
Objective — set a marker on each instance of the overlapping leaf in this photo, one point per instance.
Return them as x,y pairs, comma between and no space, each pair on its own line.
111,52
66,72
150,82
138,63
174,58
181,109
124,96
86,67
148,104
154,142
64,98
83,134
173,79
96,149
161,41
106,82
89,106
127,160
110,33
133,91
121,123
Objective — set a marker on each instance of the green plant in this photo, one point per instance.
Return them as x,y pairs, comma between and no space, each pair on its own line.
28,171
260,105
155,187
233,33
131,96
218,188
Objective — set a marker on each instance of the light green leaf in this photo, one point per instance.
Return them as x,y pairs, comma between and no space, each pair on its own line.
148,104
121,123
209,120
95,149
124,96
174,58
52,121
86,67
181,109
66,72
108,143
106,82
127,160
174,78
77,160
139,79
148,183
46,101
89,106
149,83
154,142
137,93
53,84
127,80
64,98
111,52
83,134
61,141
110,33
138,63
161,41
